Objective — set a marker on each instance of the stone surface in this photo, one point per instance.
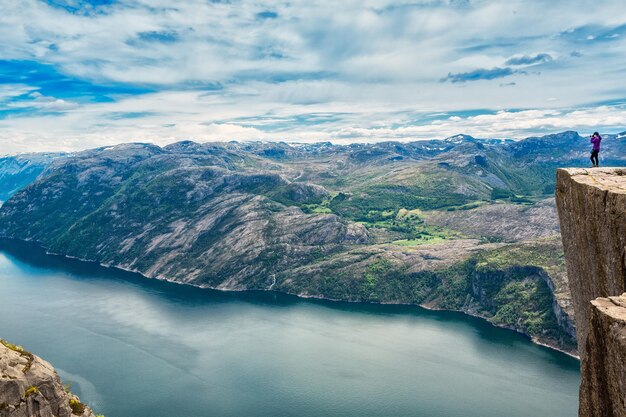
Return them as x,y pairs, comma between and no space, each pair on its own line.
604,366
507,222
30,387
592,212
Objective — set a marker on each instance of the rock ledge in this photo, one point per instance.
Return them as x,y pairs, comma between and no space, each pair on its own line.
592,211
30,387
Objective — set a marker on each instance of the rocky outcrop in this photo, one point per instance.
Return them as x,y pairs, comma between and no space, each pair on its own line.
30,387
604,367
592,212
505,222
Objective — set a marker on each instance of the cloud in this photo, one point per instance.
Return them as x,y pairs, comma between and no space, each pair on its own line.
36,100
156,70
480,74
529,60
167,117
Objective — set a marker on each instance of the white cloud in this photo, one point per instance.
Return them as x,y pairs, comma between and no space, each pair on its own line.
174,116
371,68
10,91
36,100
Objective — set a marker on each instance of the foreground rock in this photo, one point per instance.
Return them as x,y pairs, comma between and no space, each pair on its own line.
604,365
30,387
592,212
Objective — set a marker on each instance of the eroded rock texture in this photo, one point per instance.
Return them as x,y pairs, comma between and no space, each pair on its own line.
592,212
30,387
604,367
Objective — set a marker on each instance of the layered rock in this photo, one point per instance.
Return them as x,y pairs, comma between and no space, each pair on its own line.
30,387
592,211
604,367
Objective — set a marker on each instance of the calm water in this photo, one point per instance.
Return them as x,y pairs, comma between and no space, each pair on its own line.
135,347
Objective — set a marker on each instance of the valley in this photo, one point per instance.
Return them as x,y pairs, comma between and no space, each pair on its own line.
460,224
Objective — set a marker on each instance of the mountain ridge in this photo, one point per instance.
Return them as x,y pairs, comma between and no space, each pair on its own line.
368,223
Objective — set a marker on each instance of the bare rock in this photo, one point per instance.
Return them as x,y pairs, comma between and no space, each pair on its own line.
592,212
509,222
30,387
603,368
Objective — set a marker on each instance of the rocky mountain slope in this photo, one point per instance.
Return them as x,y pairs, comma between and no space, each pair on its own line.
431,223
30,387
18,171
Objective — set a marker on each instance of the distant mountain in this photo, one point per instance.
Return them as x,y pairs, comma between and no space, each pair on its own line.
18,171
460,224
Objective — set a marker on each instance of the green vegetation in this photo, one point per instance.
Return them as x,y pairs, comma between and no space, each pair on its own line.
526,304
77,407
15,348
27,355
409,225
546,254
316,209
371,204
427,240
362,276
513,284
507,285
32,390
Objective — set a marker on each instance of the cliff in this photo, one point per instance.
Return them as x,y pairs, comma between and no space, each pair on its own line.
30,387
592,212
604,366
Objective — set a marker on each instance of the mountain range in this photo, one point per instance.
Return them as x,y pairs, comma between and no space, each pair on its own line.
462,223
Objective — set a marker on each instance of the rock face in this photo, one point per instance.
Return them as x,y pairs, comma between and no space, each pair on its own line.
604,365
506,222
592,211
30,387
193,218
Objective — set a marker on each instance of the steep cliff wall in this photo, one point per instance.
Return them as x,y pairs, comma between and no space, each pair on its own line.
592,211
30,387
604,367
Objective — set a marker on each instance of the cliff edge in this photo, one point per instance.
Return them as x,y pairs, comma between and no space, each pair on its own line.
592,211
30,387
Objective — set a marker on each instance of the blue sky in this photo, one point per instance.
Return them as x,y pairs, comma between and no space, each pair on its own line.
82,73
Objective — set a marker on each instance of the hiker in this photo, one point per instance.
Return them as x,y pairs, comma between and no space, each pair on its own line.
595,139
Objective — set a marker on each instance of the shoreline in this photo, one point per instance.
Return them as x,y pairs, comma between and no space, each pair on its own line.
532,339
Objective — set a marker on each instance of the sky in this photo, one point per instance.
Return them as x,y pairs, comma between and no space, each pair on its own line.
76,74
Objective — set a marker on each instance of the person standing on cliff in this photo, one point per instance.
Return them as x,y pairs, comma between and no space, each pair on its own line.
595,139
